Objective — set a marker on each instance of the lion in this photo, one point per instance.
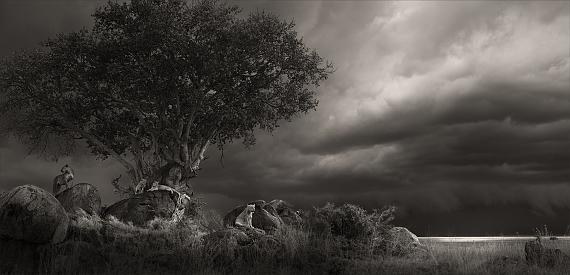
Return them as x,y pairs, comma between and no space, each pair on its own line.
60,181
244,218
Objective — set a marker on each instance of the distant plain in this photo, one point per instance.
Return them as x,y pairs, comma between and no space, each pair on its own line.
490,255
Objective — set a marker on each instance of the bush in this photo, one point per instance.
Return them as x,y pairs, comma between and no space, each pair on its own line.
350,221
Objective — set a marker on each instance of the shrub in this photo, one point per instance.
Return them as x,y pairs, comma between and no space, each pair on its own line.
350,221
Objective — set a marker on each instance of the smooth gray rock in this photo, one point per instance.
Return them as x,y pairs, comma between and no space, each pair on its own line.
32,214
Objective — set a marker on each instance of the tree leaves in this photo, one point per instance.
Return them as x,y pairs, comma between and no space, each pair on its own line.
157,76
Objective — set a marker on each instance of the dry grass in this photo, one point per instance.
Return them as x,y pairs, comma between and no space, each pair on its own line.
98,246
474,257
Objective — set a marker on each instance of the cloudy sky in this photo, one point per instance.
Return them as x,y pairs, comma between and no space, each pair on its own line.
457,112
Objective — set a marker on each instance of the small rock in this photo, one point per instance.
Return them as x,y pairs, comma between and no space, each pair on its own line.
32,214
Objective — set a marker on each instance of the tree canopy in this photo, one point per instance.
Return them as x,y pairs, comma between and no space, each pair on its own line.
155,82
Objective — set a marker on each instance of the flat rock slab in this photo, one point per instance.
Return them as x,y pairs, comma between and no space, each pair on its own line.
32,214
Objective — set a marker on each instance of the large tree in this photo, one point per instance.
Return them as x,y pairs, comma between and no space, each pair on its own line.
155,82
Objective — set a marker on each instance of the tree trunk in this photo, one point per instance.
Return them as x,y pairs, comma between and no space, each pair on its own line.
181,165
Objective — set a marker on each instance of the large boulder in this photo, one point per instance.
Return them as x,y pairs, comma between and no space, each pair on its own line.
81,196
537,254
265,220
32,214
144,207
286,212
265,216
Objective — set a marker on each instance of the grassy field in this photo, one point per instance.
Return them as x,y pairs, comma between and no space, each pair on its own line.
180,250
487,257
97,246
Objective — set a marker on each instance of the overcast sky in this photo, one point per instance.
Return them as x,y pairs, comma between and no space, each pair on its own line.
457,112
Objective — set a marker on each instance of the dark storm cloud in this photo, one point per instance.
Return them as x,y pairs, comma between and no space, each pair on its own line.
514,103
450,110
443,107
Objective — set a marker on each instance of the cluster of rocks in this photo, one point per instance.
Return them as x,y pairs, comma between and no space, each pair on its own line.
235,240
36,223
32,220
267,216
39,224
29,213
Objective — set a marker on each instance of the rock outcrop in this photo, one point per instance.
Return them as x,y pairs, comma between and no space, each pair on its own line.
29,213
537,254
142,208
81,196
265,217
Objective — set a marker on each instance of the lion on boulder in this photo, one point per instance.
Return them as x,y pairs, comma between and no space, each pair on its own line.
245,217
